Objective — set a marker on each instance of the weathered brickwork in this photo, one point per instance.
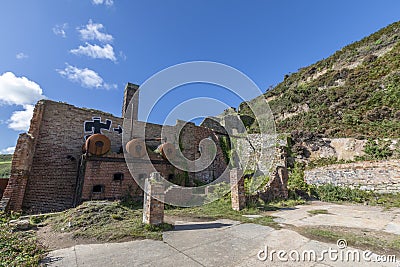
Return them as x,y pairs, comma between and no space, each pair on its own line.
153,203
378,176
58,147
13,195
237,189
111,175
51,173
107,179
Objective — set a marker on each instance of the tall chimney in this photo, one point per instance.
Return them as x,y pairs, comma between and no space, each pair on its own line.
130,90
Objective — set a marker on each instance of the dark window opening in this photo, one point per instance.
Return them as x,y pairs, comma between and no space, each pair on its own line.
98,188
118,176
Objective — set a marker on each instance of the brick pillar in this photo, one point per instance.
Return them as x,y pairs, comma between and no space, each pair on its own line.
13,196
237,189
153,209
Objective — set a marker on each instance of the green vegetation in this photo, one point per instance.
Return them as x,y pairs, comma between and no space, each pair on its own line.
316,212
106,221
378,149
333,193
298,188
17,248
222,209
353,93
383,243
225,145
5,166
321,162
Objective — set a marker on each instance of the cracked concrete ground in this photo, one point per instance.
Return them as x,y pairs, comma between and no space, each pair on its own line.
355,216
230,243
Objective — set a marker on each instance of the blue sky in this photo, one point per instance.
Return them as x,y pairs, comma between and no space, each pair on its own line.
84,51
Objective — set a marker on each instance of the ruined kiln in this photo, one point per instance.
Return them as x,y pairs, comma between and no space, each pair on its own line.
51,171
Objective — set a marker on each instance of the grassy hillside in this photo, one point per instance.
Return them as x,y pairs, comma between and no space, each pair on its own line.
5,165
353,93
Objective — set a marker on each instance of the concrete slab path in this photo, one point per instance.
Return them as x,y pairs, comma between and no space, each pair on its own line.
230,243
355,216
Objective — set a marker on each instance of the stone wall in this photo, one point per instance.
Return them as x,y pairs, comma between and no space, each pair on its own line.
378,176
261,150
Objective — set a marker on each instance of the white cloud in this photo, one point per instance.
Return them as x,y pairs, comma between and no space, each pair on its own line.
85,77
8,150
100,2
60,29
92,31
18,90
95,51
21,55
20,120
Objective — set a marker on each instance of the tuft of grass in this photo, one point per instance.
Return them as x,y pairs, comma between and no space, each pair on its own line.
106,221
316,212
331,193
379,242
18,248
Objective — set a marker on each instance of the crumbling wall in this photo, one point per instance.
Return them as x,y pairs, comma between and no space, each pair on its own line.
45,166
21,165
276,188
46,159
379,176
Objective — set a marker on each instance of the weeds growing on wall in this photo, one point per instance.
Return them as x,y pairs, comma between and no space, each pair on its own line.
226,148
298,188
378,149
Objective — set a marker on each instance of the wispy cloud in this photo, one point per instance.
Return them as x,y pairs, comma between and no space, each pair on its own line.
60,29
92,31
8,150
85,77
95,51
21,55
105,2
122,55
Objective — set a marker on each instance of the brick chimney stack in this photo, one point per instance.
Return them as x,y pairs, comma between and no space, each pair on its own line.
130,90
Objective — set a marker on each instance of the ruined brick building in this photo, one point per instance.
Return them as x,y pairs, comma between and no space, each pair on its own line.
54,167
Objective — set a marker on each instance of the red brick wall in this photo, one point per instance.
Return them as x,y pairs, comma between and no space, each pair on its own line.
3,185
45,167
52,178
20,168
101,172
